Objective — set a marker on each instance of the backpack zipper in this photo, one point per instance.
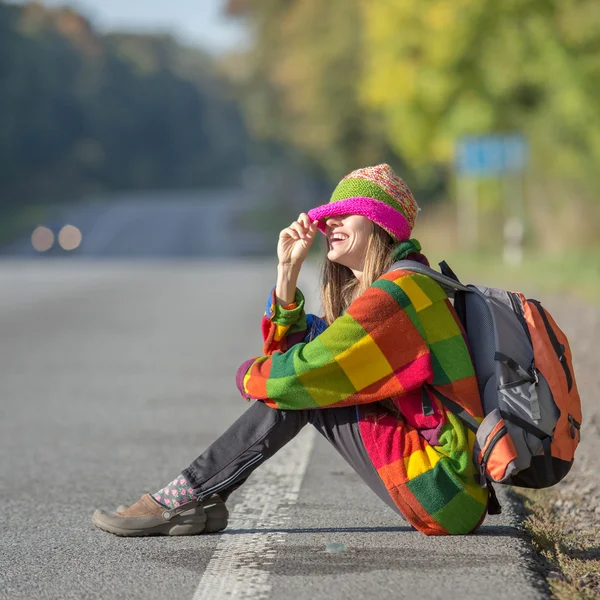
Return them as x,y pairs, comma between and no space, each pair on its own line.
558,347
486,455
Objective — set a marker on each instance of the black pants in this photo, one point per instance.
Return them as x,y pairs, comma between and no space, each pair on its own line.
261,431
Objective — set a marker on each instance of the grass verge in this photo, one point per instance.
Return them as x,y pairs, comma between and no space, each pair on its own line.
575,273
569,555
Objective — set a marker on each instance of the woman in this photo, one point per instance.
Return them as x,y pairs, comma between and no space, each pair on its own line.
365,375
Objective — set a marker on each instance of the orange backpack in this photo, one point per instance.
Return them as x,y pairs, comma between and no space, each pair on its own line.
526,381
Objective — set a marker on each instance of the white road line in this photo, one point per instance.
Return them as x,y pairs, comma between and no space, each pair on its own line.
266,501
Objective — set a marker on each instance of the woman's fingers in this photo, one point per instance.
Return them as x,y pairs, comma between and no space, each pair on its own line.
296,240
290,232
299,228
303,228
304,219
311,230
309,226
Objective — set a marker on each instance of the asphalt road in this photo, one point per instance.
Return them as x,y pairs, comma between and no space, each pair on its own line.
113,377
152,225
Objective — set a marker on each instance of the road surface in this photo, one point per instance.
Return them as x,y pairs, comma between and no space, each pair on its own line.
149,225
113,377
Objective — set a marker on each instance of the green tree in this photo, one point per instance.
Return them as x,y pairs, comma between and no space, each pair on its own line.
440,68
82,112
302,79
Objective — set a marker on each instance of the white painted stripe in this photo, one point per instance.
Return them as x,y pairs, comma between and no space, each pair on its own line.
265,503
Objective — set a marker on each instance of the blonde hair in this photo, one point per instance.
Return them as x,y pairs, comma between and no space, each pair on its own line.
339,286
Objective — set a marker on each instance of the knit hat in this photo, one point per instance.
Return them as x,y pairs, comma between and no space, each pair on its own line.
376,193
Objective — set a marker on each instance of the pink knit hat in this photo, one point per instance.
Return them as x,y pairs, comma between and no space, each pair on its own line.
376,193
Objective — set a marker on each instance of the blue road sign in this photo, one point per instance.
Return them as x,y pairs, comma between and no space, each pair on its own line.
491,154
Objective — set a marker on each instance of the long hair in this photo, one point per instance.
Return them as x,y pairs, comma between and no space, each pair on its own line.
339,286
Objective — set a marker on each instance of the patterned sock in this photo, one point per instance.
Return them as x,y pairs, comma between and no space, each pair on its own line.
178,492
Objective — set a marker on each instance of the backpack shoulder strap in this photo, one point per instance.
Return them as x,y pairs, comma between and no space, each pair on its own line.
449,284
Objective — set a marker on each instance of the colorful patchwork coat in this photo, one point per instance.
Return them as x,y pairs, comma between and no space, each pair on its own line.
396,342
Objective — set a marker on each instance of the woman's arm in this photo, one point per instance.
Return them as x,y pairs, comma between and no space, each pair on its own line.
395,337
284,322
287,280
372,352
283,326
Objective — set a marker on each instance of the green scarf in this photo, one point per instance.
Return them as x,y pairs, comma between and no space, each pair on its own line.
403,249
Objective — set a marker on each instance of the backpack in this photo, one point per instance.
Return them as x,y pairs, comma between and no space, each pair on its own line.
524,369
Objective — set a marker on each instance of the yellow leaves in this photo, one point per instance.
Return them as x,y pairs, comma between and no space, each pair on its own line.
440,15
434,90
443,148
571,103
410,134
388,82
412,51
383,18
579,22
429,71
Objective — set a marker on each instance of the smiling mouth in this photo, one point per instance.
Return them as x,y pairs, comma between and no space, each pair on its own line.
336,238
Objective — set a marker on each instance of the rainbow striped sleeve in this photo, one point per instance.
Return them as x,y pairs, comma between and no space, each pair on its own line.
375,350
284,326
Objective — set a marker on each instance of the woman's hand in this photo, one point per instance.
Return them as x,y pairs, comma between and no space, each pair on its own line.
295,241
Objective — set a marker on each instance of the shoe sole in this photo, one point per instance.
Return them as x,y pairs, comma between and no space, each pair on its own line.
176,526
217,516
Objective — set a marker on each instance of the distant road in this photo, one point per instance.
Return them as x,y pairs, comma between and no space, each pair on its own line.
178,224
114,376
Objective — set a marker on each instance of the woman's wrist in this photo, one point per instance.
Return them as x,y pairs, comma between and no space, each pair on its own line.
289,266
287,280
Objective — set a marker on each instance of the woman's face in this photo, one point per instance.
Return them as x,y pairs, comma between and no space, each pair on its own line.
347,239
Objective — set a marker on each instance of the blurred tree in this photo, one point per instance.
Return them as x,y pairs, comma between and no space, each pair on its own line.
302,82
322,79
333,88
355,81
83,112
441,68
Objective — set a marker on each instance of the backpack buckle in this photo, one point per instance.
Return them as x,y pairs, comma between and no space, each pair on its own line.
534,374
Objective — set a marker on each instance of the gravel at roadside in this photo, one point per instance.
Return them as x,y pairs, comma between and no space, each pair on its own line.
563,522
578,495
